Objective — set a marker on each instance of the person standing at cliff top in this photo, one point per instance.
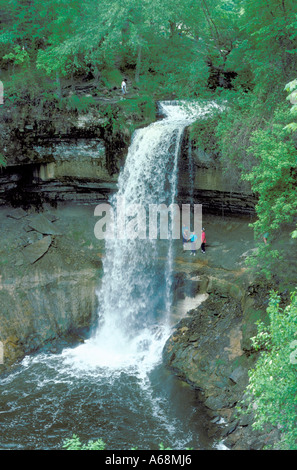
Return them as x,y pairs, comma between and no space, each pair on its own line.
265,237
203,240
124,86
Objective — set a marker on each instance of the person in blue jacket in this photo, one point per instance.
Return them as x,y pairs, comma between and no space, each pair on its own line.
193,240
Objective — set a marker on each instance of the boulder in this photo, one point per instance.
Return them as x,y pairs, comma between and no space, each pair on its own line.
42,225
238,375
17,213
36,250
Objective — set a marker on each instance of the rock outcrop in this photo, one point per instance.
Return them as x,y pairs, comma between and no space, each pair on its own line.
210,347
211,350
202,179
79,159
50,270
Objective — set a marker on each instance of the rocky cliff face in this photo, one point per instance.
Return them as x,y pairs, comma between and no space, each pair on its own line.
65,162
202,179
211,350
50,270
210,346
79,159
72,170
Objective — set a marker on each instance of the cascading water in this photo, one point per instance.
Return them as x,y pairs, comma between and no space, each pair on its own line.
191,174
114,386
135,296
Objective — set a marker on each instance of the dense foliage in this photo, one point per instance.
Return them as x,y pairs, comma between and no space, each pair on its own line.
273,382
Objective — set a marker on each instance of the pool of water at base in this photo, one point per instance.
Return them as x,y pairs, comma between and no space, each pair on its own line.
46,399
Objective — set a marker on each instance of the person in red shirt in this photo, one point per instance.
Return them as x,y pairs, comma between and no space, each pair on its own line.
203,240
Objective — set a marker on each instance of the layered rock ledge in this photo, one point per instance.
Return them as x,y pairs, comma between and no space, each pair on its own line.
220,301
50,270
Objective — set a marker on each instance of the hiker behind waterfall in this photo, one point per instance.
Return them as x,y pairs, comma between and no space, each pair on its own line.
193,240
203,240
186,235
124,86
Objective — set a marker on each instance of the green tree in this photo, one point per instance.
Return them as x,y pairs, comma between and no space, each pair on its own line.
271,393
291,87
274,176
267,45
165,43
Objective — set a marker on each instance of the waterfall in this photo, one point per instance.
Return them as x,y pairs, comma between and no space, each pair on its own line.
135,295
114,385
191,174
